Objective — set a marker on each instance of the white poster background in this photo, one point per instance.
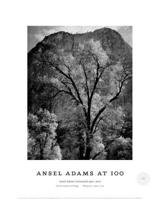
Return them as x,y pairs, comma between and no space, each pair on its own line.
18,175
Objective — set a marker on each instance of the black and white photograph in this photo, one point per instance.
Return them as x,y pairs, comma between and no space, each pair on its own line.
79,93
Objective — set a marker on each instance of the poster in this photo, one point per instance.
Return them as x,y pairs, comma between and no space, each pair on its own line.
46,154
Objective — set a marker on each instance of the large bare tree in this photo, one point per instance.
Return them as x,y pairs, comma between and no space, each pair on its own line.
92,79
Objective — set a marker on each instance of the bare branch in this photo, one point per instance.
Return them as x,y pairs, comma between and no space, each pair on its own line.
86,78
96,125
121,84
69,91
68,76
97,116
99,72
97,154
96,80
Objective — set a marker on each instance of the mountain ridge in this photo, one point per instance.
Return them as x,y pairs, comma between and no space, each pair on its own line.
104,30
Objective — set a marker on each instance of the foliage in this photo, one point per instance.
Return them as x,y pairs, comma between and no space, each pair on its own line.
120,149
42,136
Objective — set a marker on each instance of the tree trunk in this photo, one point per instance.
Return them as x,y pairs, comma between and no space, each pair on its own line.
84,152
41,154
88,146
82,146
85,147
81,151
88,152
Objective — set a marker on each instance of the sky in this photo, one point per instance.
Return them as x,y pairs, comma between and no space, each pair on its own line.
37,33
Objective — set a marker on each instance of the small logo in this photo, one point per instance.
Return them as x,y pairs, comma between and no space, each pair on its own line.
143,178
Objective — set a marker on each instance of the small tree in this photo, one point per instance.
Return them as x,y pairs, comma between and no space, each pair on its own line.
42,136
